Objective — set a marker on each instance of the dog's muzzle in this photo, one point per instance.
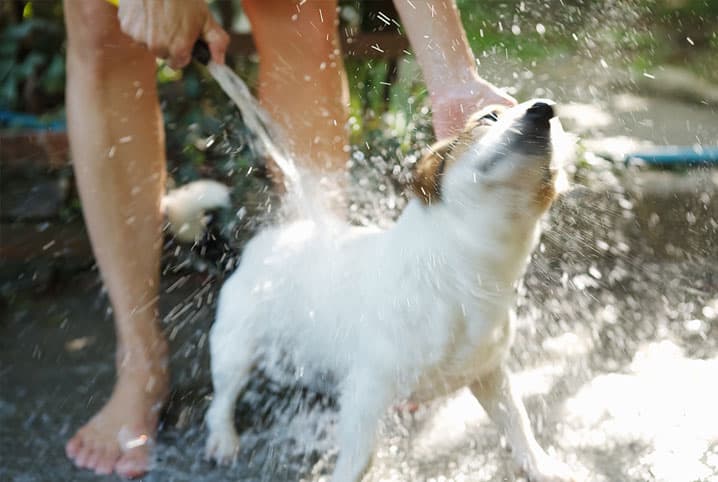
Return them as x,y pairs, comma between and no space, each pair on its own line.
535,129
540,114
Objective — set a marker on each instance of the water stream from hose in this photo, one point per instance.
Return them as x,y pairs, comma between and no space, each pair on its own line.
271,142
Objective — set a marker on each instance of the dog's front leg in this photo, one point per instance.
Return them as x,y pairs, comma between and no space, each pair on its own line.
503,405
363,402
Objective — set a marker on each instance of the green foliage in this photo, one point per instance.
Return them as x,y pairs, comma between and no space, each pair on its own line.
206,137
688,8
32,67
204,132
517,29
385,95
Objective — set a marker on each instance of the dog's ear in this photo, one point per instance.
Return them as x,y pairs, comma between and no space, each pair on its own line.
429,170
431,167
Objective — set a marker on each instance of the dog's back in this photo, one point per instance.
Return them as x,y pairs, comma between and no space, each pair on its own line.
337,297
422,306
330,296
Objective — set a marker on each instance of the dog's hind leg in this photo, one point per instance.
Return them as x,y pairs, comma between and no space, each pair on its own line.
363,401
505,408
231,350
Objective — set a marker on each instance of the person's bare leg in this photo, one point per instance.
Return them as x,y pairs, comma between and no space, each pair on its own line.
117,144
442,49
302,81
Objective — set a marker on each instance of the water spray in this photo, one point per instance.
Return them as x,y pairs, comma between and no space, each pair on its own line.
255,117
271,141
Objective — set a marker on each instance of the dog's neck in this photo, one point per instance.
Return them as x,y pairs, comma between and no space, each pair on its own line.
468,239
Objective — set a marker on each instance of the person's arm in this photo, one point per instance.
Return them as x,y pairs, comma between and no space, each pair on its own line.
169,28
442,49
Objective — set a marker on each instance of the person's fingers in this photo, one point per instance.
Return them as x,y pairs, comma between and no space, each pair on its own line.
126,26
178,62
506,99
126,22
158,48
216,38
135,32
180,54
132,24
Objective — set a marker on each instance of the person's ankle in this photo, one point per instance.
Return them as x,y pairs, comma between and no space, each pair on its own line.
144,356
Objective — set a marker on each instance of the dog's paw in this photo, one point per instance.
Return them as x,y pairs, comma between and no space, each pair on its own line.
222,446
547,469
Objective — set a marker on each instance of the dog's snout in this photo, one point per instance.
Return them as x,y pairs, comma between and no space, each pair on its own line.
540,111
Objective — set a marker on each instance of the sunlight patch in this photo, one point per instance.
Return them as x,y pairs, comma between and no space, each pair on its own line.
661,404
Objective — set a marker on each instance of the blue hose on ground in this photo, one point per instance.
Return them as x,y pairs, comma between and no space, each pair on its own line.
676,156
29,121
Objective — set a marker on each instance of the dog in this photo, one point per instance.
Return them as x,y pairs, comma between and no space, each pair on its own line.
415,311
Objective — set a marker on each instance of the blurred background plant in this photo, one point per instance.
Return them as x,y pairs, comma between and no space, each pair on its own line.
32,60
642,32
389,116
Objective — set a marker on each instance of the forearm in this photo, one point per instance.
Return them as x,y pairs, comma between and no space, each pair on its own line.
439,43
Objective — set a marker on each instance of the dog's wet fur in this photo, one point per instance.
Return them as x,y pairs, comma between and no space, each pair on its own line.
416,311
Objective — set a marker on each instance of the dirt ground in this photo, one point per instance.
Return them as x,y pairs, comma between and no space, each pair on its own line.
616,354
616,357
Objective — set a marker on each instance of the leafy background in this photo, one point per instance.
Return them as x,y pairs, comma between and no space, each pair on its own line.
205,137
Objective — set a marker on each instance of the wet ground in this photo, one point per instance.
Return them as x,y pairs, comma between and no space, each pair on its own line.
616,356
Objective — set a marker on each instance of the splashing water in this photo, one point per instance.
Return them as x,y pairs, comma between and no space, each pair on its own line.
586,341
617,316
303,200
256,118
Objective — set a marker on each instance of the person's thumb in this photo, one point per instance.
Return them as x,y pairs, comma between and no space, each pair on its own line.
216,38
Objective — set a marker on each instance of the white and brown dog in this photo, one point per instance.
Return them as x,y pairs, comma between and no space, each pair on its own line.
419,310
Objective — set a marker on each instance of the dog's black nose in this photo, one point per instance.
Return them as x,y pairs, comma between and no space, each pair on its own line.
540,111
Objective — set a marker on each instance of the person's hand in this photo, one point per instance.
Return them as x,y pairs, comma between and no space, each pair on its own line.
169,28
452,107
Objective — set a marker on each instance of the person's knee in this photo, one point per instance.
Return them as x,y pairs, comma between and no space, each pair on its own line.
310,22
264,9
94,36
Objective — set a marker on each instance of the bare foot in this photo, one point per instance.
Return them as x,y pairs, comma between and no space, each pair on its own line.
120,436
451,109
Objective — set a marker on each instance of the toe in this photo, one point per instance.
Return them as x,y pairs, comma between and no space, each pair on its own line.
73,446
94,458
84,455
106,463
133,463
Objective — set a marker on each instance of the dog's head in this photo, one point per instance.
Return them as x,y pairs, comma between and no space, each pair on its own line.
504,153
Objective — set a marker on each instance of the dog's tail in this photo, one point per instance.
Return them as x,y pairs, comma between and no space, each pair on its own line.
185,207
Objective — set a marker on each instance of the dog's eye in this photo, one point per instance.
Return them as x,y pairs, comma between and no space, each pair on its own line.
489,118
